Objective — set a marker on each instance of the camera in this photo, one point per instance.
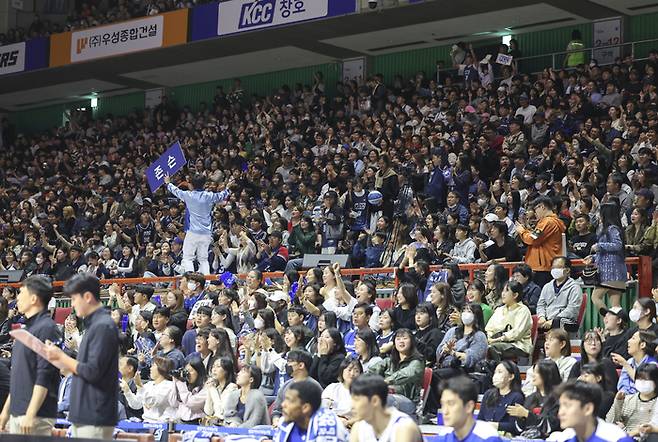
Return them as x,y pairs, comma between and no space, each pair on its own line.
373,3
180,373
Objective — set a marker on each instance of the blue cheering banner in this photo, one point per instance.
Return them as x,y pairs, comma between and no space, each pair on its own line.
169,163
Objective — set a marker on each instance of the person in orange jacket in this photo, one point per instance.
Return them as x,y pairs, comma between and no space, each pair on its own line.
544,242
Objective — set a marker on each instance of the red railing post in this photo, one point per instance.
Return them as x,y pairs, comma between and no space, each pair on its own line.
645,276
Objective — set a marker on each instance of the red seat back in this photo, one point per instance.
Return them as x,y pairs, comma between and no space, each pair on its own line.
384,303
534,329
583,307
61,314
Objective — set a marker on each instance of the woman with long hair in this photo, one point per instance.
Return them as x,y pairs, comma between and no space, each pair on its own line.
426,334
404,312
634,233
221,318
174,299
441,300
609,257
475,294
218,386
403,371
219,343
270,359
331,352
191,392
387,328
247,406
510,326
366,348
302,238
464,345
594,373
591,352
506,391
634,410
495,278
547,378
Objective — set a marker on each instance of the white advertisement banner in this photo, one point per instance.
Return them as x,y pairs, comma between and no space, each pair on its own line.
121,38
606,34
12,58
245,15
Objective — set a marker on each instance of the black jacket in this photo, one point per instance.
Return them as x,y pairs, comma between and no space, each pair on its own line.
95,388
325,368
28,369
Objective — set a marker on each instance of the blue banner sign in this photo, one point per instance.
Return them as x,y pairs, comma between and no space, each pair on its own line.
169,163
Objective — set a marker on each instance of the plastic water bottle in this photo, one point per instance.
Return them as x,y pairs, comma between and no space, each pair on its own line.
124,323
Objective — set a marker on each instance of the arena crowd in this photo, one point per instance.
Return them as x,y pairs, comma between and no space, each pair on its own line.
491,165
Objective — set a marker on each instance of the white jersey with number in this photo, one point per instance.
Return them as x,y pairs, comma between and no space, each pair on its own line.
367,433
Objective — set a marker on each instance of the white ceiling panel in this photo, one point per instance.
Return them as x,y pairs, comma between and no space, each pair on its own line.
44,96
630,7
229,67
429,32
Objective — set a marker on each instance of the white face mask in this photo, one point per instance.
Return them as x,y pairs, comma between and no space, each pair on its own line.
557,273
191,286
498,380
644,386
635,315
468,318
259,323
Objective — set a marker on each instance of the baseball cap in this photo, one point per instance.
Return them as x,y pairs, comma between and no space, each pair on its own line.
617,311
491,217
278,295
646,193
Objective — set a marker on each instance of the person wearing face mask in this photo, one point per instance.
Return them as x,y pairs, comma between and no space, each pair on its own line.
642,349
630,411
463,345
643,314
506,391
559,302
197,296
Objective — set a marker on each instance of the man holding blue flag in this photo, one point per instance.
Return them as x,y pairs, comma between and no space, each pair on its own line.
199,204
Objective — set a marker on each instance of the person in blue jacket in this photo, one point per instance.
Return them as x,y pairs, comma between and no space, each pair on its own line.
198,235
305,420
579,406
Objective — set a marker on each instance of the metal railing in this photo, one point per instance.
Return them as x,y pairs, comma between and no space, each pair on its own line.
534,64
640,266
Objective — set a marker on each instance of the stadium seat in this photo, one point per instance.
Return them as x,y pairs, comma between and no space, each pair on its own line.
189,325
384,303
58,432
425,392
583,307
61,313
138,437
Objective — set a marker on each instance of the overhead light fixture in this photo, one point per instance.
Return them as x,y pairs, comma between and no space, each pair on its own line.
94,102
507,39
